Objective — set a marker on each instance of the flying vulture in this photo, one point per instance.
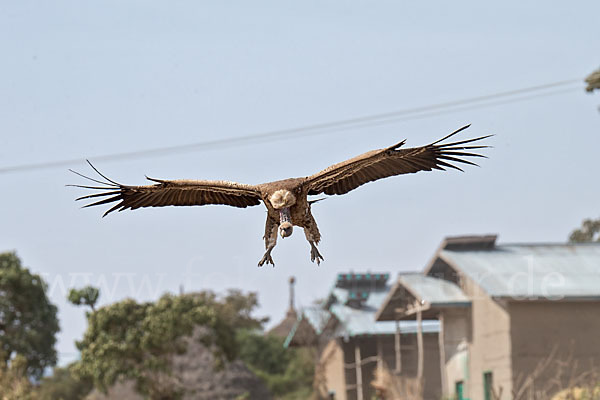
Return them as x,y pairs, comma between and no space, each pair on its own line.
286,200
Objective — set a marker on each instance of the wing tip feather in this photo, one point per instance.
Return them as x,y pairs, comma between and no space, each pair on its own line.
451,134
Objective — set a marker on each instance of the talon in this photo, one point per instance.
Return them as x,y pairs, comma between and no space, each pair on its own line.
266,259
315,255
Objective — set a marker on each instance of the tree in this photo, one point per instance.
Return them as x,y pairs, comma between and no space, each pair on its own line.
263,352
14,384
593,81
589,232
62,385
137,341
28,323
288,373
87,296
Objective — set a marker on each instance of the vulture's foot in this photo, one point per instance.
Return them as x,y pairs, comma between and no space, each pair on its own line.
266,259
314,254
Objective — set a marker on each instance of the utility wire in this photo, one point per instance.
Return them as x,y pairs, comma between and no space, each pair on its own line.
425,115
322,128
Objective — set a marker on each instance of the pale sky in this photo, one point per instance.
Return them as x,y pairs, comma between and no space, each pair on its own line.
87,78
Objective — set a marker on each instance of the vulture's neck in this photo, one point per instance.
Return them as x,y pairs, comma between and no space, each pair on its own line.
284,215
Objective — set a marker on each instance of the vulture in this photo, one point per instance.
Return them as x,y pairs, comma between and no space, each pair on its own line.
287,200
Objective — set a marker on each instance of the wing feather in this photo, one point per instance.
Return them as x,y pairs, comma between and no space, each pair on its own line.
378,164
169,193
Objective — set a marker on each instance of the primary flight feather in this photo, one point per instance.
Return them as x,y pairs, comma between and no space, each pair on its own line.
286,200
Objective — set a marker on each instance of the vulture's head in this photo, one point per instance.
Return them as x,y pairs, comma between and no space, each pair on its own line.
286,229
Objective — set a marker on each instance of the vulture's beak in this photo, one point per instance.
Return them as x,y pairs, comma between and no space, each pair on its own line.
286,229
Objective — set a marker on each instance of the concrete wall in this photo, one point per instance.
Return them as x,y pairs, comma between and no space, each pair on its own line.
332,362
489,349
537,327
457,335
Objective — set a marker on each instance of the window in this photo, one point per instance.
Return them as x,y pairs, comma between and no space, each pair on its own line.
488,385
459,390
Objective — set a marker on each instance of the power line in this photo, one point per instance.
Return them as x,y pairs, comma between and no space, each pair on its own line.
322,128
457,109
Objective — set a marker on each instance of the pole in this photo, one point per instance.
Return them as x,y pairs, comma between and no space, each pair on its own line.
419,344
292,282
441,344
358,366
397,347
379,354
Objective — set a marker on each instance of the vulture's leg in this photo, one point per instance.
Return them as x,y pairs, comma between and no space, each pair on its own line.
270,240
314,237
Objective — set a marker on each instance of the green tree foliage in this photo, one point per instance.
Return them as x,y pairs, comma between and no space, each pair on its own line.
14,383
86,296
593,81
265,353
130,340
288,373
62,385
589,232
28,323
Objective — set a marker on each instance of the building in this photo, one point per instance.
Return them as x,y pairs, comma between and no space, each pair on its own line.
516,321
309,327
352,346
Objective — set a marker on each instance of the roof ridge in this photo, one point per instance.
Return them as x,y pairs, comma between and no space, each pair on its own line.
563,244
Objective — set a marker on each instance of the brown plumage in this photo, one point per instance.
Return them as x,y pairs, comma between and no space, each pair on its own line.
286,201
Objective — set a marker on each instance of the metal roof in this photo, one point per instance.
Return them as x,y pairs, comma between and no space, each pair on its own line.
317,317
361,321
437,292
532,271
431,293
354,306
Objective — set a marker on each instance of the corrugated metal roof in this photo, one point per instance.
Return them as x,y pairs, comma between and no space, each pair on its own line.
356,322
433,290
432,293
317,317
340,294
361,321
532,270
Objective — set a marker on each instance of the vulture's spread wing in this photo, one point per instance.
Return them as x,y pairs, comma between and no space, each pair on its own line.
377,164
169,193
